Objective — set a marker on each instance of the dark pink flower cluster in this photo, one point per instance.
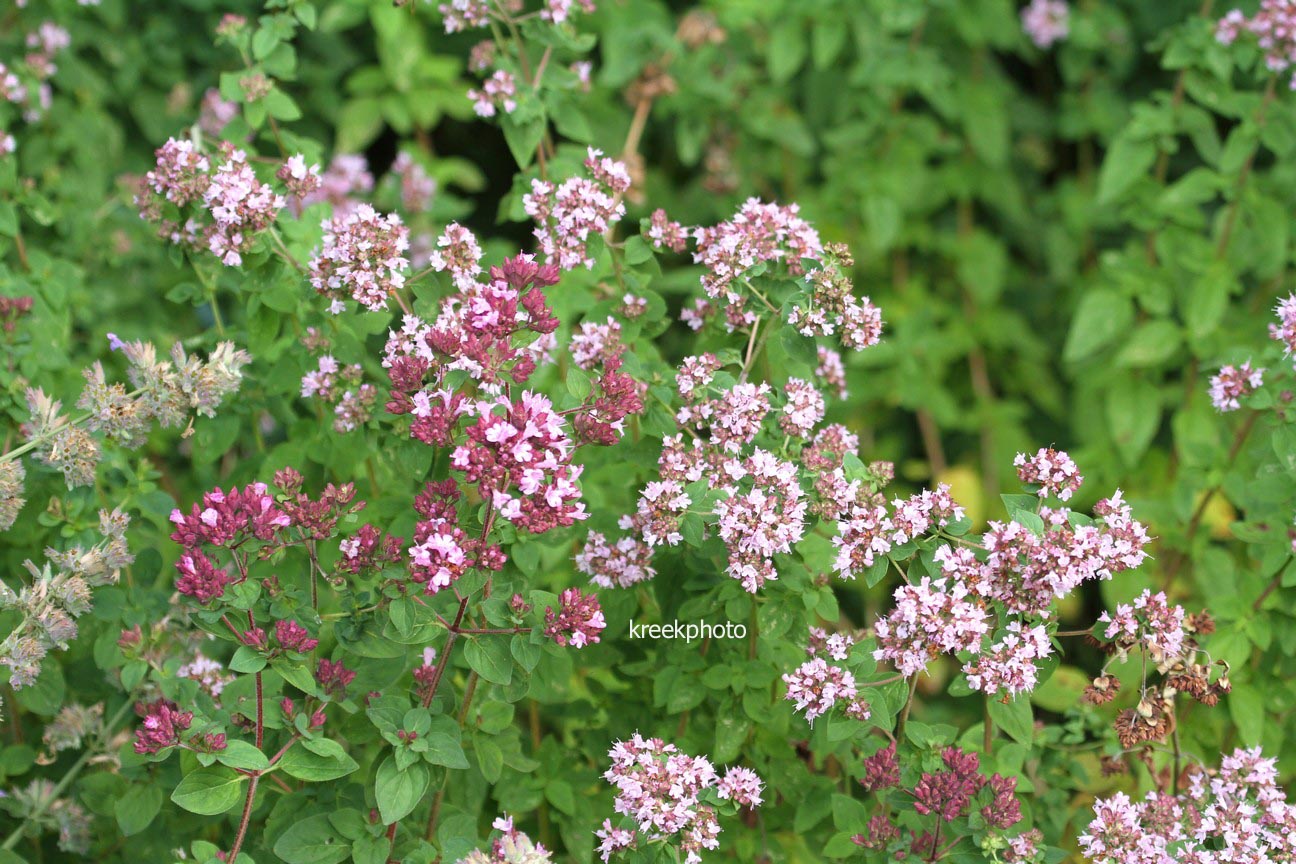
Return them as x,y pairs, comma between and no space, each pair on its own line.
294,637
442,551
162,725
333,678
368,550
578,621
224,520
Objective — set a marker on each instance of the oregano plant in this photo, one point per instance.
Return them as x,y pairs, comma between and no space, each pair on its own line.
525,431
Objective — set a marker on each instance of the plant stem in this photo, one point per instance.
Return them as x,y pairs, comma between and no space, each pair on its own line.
247,818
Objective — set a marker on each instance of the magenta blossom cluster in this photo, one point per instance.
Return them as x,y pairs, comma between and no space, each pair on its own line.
578,620
163,726
362,257
947,794
224,520
1237,813
1274,28
1232,384
568,214
670,797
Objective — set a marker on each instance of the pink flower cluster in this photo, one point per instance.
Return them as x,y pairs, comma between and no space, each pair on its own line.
1285,330
578,621
1238,813
519,456
1274,27
498,93
241,207
1052,470
1046,21
559,11
1232,384
758,233
442,551
1008,665
340,386
817,685
511,847
930,618
474,332
458,252
865,530
568,214
762,516
830,307
1149,621
463,15
346,178
626,562
163,726
362,257
670,797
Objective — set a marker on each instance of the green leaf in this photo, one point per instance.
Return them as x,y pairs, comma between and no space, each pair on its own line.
1014,718
489,657
317,761
444,744
370,850
137,809
1133,414
241,754
1101,316
523,138
1126,161
1246,705
209,791
399,792
313,840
